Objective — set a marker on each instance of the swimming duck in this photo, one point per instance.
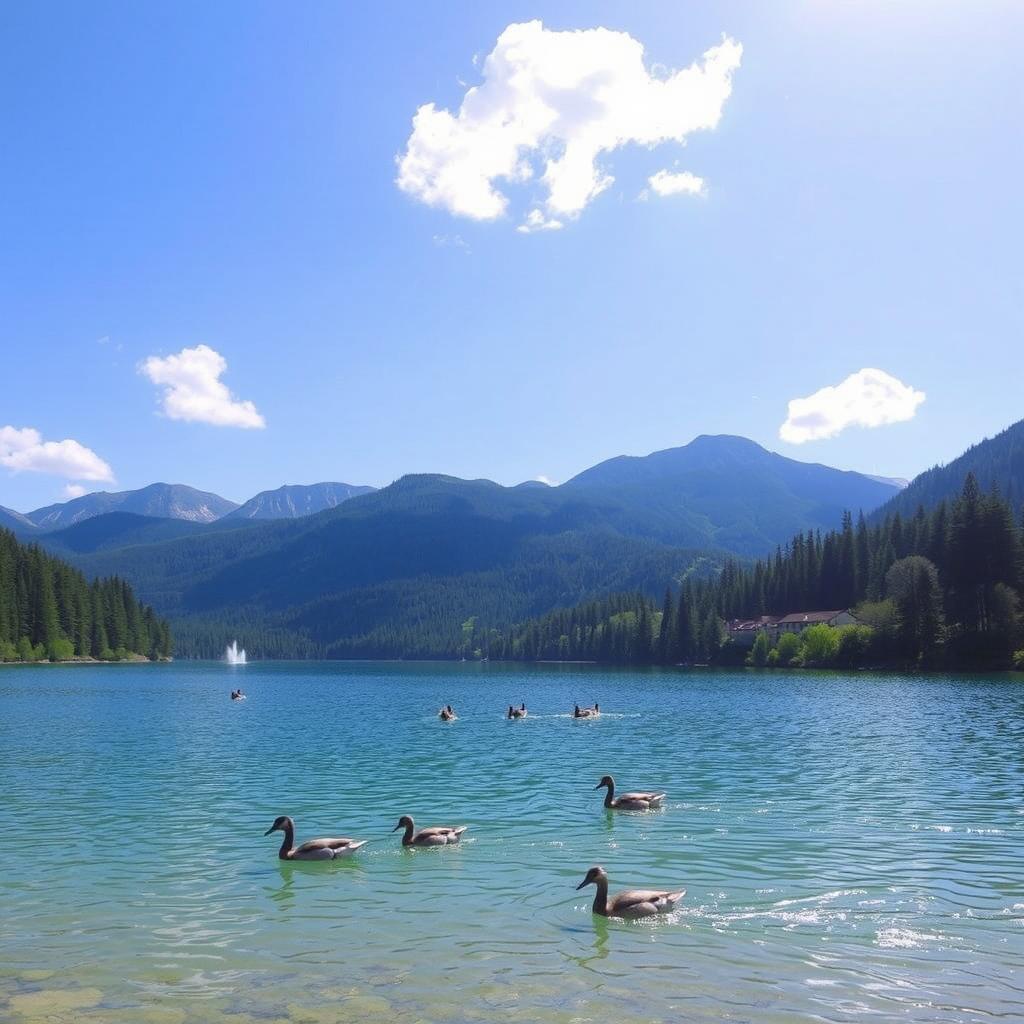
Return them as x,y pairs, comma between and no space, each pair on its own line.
314,849
629,801
632,903
447,714
519,712
440,835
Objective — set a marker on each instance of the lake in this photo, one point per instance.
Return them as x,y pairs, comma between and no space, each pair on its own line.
852,845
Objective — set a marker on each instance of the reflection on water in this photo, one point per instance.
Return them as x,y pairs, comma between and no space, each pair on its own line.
851,845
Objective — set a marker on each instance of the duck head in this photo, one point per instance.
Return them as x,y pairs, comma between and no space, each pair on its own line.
403,822
281,824
594,875
606,781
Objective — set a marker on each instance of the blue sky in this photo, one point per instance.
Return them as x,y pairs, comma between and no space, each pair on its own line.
224,175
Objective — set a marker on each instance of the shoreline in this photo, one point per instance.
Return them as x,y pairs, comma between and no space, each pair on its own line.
135,659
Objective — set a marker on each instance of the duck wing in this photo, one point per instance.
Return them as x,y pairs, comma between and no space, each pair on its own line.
439,835
644,902
336,845
652,798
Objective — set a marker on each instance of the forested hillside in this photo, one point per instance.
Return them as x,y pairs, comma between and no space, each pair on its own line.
398,572
725,492
49,611
939,588
996,463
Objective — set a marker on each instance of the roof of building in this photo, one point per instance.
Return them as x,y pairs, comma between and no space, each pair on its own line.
801,617
738,625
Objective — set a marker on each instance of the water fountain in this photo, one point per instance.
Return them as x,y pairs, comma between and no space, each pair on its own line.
232,654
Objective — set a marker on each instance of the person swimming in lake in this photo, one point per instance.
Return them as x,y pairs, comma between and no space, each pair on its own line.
447,714
519,712
237,695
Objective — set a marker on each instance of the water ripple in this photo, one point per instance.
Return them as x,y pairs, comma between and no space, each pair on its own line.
851,846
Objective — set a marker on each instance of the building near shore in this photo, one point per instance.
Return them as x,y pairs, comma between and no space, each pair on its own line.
744,631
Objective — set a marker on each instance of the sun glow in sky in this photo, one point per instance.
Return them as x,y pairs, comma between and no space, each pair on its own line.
249,245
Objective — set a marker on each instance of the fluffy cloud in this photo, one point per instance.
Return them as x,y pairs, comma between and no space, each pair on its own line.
24,450
552,103
193,390
670,183
867,398
74,490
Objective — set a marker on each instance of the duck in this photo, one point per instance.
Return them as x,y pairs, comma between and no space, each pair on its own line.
447,714
519,712
314,849
629,801
632,903
439,835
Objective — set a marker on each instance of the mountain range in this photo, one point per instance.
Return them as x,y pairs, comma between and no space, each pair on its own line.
403,569
180,502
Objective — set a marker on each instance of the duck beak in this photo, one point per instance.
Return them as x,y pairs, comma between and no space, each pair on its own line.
397,827
269,830
599,785
586,881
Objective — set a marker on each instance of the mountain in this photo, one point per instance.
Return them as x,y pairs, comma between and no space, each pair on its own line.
896,481
996,462
296,500
167,501
16,522
400,571
407,569
726,492
118,530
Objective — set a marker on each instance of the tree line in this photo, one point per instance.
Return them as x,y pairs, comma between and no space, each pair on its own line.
50,611
940,588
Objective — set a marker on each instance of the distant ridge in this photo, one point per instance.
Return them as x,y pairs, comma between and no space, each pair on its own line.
15,521
895,481
741,496
294,501
166,501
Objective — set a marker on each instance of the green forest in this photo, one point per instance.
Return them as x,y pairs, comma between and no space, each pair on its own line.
49,611
939,589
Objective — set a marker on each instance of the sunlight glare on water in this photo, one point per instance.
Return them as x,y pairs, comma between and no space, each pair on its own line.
851,846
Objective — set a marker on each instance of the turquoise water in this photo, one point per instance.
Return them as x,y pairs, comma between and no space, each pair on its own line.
852,846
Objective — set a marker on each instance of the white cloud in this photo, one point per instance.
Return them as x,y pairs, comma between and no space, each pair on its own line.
542,479
74,491
867,398
193,390
551,103
24,450
671,183
536,221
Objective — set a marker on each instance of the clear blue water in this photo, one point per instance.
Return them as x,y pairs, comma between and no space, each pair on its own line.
852,846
